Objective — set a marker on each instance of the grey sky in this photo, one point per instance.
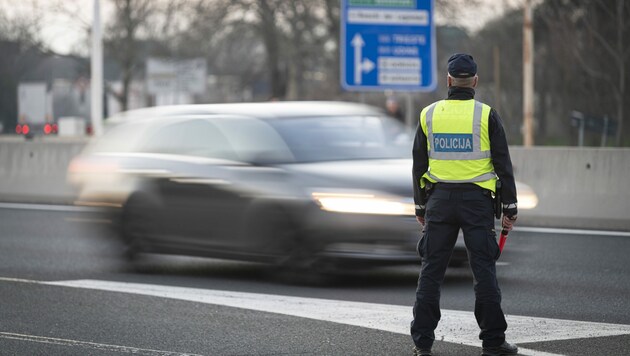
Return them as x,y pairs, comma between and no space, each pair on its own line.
64,33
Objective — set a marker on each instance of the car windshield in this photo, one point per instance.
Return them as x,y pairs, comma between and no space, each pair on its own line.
265,141
119,138
314,139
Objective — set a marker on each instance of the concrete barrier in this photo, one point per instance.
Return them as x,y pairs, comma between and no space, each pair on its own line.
35,170
577,187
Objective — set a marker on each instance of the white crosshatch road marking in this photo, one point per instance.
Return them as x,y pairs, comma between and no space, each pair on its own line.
455,327
90,345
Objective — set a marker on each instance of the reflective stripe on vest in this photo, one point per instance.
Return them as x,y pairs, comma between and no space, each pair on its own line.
482,178
476,153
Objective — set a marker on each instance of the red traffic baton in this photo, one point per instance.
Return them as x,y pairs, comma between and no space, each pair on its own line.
504,235
502,239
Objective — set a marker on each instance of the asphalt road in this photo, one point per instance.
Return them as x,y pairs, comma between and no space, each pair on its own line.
65,291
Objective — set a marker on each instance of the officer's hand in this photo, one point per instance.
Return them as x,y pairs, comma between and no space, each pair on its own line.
420,211
508,222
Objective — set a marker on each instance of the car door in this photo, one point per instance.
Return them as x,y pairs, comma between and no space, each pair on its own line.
199,204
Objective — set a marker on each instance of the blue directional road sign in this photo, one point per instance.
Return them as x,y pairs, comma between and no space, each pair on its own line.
388,44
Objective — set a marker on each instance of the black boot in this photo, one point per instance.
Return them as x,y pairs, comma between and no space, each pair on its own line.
504,349
422,351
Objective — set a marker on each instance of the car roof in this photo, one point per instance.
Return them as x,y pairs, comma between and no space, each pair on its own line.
266,110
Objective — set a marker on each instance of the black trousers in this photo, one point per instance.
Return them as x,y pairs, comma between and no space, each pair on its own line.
449,209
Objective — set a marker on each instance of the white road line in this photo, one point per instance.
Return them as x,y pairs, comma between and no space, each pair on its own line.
550,230
529,352
48,207
73,208
90,345
458,327
7,279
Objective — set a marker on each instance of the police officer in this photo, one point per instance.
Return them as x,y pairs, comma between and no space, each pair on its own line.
393,109
459,151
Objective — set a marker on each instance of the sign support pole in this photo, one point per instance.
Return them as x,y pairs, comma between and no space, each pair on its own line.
96,63
528,76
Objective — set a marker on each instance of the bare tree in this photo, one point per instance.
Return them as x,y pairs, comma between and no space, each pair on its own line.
21,49
136,29
333,23
222,32
267,11
263,16
23,26
293,34
594,37
122,40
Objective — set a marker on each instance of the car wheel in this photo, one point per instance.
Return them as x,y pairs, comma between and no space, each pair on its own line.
136,222
295,259
277,235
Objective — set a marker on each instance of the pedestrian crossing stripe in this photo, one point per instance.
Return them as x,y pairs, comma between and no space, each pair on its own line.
455,326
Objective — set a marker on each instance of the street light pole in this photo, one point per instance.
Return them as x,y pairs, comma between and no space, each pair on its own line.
96,61
528,76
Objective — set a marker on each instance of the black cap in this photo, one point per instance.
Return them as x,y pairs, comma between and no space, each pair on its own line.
462,65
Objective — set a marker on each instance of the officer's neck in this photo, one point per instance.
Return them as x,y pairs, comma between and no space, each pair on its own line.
459,93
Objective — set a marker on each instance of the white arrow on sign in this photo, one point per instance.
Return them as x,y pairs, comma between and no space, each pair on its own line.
357,43
360,66
367,65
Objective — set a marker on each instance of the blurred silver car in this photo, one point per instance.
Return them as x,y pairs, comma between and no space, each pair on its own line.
297,184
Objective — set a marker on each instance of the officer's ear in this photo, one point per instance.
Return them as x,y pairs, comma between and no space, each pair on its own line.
449,81
474,85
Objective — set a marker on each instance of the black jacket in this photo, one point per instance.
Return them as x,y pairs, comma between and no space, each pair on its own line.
498,150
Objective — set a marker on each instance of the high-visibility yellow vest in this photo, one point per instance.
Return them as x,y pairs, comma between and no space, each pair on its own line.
458,143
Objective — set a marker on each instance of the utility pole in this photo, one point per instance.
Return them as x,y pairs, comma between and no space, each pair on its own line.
497,78
528,76
96,61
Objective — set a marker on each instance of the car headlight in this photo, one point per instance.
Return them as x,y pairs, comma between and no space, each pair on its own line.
363,203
